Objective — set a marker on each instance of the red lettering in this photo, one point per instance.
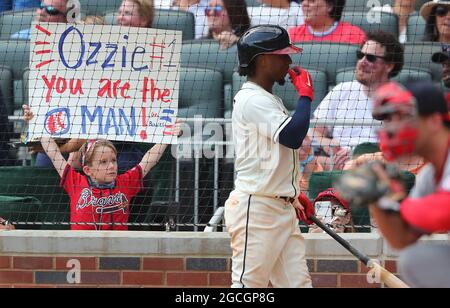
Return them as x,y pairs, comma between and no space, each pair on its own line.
60,85
110,89
154,91
74,89
49,87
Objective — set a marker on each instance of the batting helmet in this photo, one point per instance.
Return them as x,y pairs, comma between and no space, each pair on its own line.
264,39
333,194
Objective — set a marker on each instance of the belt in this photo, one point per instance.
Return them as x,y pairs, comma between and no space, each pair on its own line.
286,199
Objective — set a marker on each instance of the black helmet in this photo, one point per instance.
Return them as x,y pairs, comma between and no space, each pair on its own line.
264,39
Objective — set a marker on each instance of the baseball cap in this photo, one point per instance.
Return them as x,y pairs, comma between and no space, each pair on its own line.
442,56
429,99
331,193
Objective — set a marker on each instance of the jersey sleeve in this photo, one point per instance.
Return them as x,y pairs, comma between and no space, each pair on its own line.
268,118
70,180
132,180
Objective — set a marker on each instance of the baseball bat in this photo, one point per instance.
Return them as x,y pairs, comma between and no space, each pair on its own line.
387,277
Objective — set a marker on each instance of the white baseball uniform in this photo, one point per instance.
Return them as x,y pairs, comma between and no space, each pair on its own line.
265,237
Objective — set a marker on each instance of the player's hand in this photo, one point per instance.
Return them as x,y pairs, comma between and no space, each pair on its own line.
304,209
27,113
302,81
370,182
175,129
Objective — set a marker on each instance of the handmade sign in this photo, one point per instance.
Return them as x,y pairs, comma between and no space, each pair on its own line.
111,82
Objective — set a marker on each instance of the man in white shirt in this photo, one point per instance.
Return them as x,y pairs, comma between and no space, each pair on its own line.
379,59
284,13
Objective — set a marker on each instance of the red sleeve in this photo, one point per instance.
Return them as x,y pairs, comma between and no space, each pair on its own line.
430,214
132,180
70,180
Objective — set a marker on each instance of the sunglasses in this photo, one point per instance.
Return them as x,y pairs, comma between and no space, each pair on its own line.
371,58
441,10
215,11
50,9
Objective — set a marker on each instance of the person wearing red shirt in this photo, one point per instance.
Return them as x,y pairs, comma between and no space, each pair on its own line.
323,24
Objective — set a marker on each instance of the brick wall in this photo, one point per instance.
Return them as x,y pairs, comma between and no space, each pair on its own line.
166,259
48,271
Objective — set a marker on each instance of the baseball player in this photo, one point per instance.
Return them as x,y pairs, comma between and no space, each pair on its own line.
260,216
416,120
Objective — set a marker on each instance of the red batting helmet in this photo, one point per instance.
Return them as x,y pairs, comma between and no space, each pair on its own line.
332,193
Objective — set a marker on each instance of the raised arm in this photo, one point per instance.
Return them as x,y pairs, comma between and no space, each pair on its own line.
153,155
52,150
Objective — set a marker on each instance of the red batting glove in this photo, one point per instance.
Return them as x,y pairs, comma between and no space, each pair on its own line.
308,209
302,81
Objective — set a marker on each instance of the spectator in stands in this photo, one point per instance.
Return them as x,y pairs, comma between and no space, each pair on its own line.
197,8
323,24
443,58
4,133
101,198
94,20
333,211
227,21
5,225
284,13
379,59
136,13
403,9
308,163
436,14
48,11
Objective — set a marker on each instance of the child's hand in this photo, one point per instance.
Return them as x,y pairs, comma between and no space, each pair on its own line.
27,114
176,128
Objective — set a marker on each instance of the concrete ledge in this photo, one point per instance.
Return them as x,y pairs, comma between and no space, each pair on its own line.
175,243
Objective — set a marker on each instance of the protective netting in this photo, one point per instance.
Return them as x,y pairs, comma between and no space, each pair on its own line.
125,70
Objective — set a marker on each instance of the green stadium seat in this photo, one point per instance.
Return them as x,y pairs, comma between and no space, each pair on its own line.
286,92
14,21
418,55
6,87
365,148
99,7
385,21
406,75
167,20
364,6
21,210
419,4
415,29
42,184
328,57
253,3
15,55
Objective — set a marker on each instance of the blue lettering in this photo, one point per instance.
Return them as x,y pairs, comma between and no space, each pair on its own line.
131,127
110,56
141,51
61,48
111,118
91,117
97,46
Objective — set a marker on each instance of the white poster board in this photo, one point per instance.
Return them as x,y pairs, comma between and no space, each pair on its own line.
109,82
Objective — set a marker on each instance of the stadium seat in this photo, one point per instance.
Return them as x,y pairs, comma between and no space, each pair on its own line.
6,87
21,210
42,184
287,92
99,7
365,148
418,55
416,28
5,5
363,6
384,21
167,20
207,54
328,57
15,55
14,21
406,75
253,3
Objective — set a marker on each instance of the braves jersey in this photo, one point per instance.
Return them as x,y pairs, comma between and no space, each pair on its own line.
93,205
263,165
